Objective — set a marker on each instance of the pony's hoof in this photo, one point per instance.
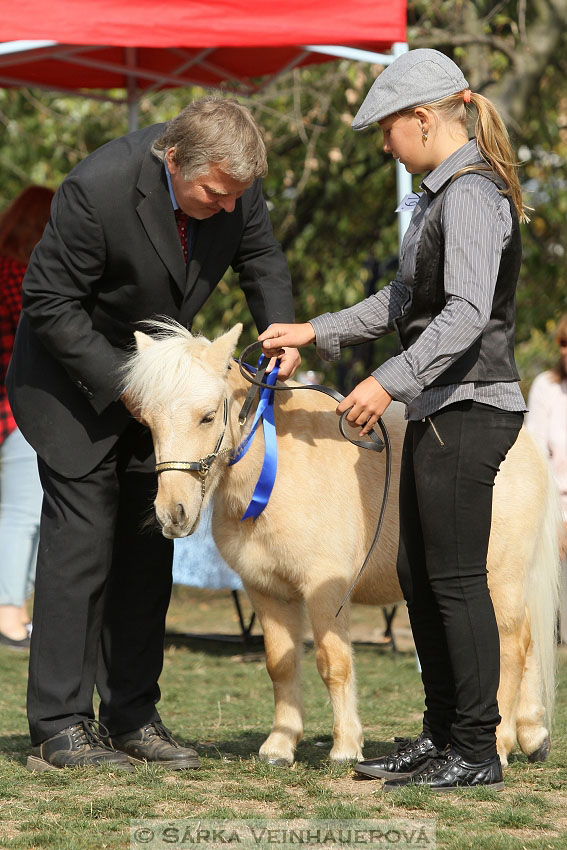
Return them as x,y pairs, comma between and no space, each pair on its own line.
542,751
344,759
276,761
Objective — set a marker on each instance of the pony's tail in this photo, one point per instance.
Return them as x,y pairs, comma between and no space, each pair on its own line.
543,594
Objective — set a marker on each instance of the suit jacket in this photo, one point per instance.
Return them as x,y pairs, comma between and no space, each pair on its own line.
110,257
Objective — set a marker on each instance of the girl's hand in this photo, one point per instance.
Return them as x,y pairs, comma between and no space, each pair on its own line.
368,400
290,361
280,336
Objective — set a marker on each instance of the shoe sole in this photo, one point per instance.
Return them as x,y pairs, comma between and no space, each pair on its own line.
377,773
371,773
38,765
495,786
189,764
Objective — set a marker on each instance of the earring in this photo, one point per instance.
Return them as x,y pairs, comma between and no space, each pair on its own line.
424,136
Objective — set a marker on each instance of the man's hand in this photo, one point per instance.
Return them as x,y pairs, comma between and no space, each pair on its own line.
127,401
368,400
279,336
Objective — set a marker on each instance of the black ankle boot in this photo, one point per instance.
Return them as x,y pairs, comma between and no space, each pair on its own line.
409,756
451,771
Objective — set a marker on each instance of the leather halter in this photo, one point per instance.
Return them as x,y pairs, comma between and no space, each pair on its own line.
202,466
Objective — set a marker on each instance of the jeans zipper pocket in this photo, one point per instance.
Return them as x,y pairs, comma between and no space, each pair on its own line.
435,431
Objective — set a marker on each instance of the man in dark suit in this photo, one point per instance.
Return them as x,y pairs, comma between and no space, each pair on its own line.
146,225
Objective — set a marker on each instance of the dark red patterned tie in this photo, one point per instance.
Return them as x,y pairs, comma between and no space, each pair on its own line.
181,219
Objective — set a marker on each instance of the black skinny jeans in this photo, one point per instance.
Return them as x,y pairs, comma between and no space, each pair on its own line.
445,515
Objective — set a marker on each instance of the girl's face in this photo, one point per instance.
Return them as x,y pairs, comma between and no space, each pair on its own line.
404,140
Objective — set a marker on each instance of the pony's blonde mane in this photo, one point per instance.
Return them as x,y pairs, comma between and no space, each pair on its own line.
158,373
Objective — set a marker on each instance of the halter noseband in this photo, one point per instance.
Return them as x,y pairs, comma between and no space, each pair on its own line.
202,466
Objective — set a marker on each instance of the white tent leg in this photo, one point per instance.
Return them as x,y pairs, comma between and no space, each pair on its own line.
403,178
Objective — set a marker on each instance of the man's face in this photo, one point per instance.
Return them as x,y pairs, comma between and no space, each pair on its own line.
206,195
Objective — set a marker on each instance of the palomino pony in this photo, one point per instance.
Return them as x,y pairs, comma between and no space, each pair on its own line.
305,548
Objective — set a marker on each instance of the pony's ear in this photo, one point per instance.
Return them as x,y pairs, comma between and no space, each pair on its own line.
221,350
143,341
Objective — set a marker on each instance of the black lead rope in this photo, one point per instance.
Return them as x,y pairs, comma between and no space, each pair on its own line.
375,444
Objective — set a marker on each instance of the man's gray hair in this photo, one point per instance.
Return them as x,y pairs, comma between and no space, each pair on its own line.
216,130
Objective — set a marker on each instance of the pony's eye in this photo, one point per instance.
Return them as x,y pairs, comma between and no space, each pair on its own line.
208,417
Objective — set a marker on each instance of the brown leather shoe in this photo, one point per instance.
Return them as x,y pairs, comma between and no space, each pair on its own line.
153,743
79,745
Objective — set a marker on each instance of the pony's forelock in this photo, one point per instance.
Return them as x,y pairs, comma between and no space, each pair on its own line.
157,373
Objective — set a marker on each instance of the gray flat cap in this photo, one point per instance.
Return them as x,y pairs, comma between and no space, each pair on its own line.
413,79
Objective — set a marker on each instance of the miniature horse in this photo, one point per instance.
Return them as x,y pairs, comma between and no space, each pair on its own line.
305,548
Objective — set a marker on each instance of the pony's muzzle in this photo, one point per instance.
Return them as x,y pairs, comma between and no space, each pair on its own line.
175,523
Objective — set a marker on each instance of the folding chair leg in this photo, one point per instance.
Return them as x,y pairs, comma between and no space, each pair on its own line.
245,629
389,617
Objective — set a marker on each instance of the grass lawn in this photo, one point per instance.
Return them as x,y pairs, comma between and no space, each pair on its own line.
218,698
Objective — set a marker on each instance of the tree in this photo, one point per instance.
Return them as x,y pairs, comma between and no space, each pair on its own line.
516,54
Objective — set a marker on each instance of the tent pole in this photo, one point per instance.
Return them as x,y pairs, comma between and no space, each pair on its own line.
403,178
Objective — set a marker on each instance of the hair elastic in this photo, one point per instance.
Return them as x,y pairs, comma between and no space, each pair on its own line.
467,95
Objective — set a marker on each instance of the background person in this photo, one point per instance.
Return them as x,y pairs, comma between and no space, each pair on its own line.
452,303
21,226
146,225
546,419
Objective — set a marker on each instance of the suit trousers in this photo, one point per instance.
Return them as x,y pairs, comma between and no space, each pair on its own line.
445,516
103,586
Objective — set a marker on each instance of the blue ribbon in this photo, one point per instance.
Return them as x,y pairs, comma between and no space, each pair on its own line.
267,477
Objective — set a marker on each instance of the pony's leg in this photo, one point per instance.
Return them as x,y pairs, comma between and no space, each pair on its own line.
282,624
334,661
533,737
513,649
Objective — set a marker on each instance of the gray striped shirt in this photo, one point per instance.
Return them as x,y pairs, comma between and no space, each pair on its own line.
477,225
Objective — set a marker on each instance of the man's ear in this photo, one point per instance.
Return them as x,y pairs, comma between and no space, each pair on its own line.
143,341
220,352
170,159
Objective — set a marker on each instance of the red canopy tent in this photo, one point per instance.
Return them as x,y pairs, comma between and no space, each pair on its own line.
77,46
105,44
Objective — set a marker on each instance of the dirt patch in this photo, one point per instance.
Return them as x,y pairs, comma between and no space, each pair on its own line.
350,787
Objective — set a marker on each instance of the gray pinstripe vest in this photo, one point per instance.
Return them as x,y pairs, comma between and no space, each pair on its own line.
491,357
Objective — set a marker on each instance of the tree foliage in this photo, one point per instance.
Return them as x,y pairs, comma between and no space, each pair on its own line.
515,53
331,191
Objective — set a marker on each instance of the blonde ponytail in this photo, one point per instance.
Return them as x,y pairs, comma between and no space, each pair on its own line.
494,146
492,139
